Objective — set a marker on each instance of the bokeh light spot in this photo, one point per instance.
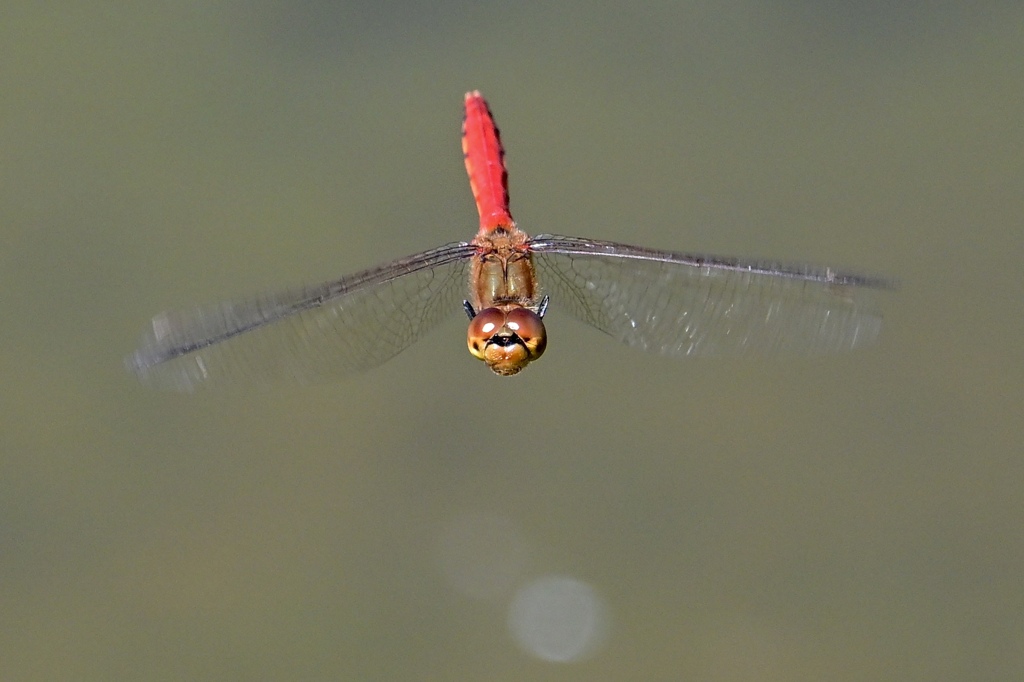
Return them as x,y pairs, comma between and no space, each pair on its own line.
558,619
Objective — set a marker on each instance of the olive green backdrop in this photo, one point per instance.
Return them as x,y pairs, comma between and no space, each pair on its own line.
856,517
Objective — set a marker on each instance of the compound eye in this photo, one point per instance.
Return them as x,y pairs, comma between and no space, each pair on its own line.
486,324
528,326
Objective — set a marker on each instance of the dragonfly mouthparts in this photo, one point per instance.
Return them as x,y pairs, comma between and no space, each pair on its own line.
505,339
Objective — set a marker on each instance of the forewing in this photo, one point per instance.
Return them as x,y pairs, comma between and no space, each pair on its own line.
681,305
309,333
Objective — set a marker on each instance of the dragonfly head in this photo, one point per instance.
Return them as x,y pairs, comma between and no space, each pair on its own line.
507,340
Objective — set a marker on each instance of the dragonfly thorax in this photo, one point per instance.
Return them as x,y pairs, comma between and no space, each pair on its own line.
502,271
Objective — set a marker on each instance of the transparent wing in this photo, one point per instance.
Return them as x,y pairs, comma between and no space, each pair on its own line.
679,304
309,333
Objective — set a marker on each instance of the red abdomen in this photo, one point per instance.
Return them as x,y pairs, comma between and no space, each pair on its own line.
485,164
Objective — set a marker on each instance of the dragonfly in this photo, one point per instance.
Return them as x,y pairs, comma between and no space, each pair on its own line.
670,303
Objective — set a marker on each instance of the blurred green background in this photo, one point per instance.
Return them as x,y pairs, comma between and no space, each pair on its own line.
856,517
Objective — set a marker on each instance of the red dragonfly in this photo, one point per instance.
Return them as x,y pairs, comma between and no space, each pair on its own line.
675,304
